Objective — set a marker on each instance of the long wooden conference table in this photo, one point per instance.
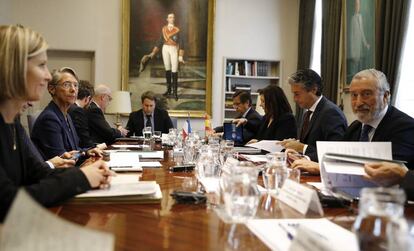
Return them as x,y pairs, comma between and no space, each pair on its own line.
172,226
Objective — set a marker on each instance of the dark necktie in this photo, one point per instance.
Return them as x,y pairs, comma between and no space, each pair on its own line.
148,123
305,125
364,133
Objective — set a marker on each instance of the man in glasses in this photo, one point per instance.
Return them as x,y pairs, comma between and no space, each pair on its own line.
99,129
247,117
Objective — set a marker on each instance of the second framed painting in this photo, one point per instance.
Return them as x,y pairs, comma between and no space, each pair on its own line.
360,36
167,48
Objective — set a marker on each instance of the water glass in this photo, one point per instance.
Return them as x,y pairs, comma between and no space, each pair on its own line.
147,133
208,164
275,172
157,135
381,213
240,192
172,136
226,150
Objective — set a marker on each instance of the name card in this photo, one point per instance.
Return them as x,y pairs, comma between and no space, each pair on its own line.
299,197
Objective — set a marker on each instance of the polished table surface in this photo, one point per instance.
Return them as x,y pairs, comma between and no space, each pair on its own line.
172,226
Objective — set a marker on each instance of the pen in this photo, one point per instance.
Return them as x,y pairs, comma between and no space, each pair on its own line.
112,167
289,234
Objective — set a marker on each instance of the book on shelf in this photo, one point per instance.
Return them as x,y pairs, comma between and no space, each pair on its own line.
236,69
244,87
229,85
229,69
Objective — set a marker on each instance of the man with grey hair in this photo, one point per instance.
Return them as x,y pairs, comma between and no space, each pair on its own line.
322,120
377,120
99,129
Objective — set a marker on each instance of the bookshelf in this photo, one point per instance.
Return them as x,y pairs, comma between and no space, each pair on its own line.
247,74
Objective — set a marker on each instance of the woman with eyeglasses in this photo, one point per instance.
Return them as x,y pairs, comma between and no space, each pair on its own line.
54,132
23,77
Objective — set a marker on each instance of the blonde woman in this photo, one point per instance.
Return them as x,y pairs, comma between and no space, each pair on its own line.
23,77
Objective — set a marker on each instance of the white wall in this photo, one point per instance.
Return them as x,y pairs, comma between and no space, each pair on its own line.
85,25
243,28
263,29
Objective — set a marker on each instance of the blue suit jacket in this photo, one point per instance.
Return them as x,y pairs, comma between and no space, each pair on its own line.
52,135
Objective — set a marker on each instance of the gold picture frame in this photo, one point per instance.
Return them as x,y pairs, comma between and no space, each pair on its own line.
194,76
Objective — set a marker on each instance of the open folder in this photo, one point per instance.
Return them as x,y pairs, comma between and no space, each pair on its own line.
342,164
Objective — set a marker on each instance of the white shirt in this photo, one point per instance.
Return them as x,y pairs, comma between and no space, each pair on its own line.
312,109
245,114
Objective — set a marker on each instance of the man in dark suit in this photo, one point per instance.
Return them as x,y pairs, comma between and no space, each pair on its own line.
148,116
99,129
248,117
377,119
78,114
322,121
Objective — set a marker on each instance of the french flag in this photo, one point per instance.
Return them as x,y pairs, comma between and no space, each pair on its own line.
186,127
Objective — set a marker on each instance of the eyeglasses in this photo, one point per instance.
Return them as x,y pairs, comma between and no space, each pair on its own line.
67,84
109,97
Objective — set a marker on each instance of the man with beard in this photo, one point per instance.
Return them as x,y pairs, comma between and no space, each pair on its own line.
377,119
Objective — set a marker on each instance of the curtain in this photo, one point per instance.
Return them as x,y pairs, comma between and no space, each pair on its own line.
331,27
392,20
305,38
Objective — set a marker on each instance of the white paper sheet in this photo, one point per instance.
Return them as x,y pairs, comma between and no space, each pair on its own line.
123,185
268,145
273,232
255,158
151,155
126,146
150,164
28,226
365,149
123,159
344,168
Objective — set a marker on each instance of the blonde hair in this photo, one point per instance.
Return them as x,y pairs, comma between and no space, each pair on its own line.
17,45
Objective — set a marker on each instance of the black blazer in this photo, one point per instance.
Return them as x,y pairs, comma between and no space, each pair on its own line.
328,123
99,129
162,122
408,185
396,127
80,120
21,168
282,128
254,121
52,135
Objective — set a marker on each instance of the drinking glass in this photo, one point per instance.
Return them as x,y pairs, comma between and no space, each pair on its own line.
380,211
226,150
147,133
240,192
275,171
157,139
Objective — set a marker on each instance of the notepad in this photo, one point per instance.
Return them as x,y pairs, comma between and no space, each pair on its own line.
124,188
267,145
